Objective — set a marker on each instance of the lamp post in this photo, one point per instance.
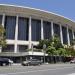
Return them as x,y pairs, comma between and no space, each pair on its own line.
44,48
32,49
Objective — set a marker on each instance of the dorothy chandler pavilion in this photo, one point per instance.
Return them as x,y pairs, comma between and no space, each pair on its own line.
26,26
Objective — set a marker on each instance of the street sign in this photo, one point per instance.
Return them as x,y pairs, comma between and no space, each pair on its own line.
44,46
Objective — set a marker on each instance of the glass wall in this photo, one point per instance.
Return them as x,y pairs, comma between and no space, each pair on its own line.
70,36
23,28
0,19
36,30
64,33
10,23
47,29
22,48
8,48
74,34
56,28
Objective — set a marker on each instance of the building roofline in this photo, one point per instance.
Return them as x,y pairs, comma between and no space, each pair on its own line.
38,10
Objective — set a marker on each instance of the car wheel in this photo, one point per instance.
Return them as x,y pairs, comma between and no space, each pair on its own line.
23,64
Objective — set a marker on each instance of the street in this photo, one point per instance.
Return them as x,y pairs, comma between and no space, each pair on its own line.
48,69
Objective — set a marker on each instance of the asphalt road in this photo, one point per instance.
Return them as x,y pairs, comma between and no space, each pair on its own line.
51,69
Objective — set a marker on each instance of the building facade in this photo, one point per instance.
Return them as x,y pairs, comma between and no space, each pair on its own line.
26,26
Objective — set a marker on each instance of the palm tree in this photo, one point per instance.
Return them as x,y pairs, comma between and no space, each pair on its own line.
2,37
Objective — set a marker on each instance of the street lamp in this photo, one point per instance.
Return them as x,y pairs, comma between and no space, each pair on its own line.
32,49
44,48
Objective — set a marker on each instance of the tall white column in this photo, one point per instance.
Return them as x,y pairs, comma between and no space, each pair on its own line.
68,36
30,32
42,35
61,36
3,20
52,30
73,38
73,34
16,35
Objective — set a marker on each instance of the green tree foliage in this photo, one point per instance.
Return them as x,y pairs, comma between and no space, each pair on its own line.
54,47
70,51
42,42
51,50
62,52
2,37
57,44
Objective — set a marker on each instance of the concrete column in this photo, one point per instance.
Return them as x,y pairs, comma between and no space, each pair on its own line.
42,35
68,36
73,38
30,32
73,34
52,30
3,20
61,36
16,35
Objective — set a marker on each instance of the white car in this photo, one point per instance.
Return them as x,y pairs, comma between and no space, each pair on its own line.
10,61
72,61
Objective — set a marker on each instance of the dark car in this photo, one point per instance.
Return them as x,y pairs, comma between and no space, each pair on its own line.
4,61
31,62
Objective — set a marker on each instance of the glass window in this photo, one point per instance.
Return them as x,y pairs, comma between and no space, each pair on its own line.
36,30
56,28
10,23
47,29
23,28
0,19
22,48
64,33
8,48
70,36
74,34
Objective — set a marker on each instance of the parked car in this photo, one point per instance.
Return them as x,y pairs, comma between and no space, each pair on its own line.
72,61
31,62
10,62
5,61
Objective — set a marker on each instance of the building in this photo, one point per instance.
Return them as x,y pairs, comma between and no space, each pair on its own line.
26,26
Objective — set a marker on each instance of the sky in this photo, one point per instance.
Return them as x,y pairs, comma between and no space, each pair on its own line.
62,7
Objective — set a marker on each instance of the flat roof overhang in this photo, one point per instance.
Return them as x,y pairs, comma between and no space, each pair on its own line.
18,54
36,13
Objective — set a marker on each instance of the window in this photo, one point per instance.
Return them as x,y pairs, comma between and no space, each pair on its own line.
36,30
64,33
47,30
0,19
70,36
10,23
8,48
56,28
22,48
23,28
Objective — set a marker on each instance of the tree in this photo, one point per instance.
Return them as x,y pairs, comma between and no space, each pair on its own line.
62,52
2,37
57,43
42,42
70,51
73,42
51,50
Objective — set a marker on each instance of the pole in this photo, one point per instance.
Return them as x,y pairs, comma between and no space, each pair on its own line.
44,57
32,50
44,48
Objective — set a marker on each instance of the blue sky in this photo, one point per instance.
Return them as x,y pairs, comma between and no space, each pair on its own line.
63,7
